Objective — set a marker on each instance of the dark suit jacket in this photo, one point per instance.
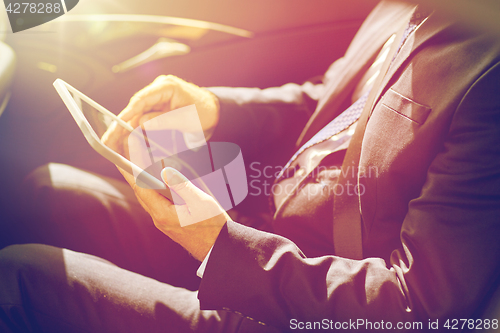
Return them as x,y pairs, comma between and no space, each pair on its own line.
430,214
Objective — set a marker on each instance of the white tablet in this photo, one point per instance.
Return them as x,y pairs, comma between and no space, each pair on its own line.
93,120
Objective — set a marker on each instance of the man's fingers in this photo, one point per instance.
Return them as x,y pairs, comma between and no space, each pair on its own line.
153,97
151,115
181,185
199,205
113,137
159,207
192,195
180,121
128,177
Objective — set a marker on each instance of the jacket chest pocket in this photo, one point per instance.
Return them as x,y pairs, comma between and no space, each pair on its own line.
405,107
392,130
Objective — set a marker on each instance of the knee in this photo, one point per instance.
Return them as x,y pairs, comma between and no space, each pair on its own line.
47,176
38,184
26,255
39,177
51,187
14,258
29,267
53,178
29,261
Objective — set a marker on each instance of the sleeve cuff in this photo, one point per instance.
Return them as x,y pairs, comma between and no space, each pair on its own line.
201,269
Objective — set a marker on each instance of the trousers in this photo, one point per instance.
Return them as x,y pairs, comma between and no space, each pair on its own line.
131,278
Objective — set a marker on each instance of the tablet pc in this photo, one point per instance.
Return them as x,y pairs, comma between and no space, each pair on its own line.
93,120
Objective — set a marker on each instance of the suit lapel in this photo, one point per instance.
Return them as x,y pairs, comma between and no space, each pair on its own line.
345,73
429,28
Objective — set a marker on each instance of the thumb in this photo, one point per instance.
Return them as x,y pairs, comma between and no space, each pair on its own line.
181,185
199,205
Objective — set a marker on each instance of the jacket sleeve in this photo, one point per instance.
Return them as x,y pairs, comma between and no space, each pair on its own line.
447,264
272,118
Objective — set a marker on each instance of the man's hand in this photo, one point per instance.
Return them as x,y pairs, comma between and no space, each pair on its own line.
203,214
166,93
201,209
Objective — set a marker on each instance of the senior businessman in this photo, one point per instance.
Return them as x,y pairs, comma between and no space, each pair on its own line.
391,213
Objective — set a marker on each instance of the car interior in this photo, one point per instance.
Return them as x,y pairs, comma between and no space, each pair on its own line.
109,50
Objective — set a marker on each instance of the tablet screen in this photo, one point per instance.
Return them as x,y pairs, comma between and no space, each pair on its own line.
170,141
98,120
